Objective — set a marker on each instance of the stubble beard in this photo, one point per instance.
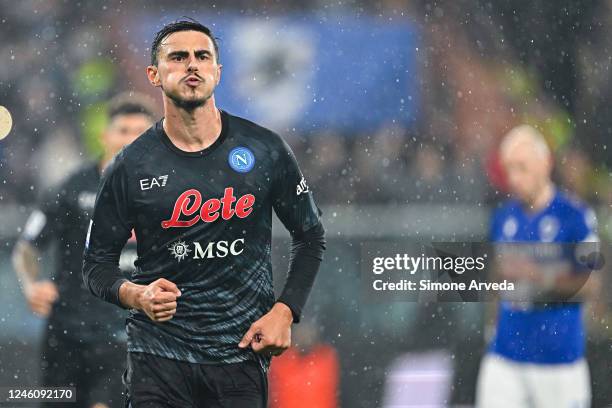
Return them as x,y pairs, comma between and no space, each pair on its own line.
186,104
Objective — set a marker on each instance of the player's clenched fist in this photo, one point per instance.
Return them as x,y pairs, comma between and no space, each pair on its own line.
157,299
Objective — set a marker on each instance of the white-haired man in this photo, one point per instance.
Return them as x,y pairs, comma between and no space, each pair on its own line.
536,358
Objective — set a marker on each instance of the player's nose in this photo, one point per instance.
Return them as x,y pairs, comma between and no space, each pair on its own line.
192,64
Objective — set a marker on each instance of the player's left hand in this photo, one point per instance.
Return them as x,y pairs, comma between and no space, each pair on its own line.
271,333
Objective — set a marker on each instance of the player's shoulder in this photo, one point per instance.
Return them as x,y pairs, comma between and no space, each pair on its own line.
141,145
131,154
252,130
573,209
71,182
82,173
568,204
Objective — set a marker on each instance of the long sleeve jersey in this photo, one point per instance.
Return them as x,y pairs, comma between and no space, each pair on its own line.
203,220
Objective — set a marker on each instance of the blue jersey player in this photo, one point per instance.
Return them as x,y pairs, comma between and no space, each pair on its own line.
536,358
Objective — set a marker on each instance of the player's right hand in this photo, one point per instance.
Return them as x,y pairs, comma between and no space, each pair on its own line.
40,296
158,300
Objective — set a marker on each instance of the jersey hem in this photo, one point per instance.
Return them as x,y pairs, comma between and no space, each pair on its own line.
536,362
159,353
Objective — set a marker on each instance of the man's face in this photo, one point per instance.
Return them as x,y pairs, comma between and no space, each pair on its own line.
187,68
123,130
527,170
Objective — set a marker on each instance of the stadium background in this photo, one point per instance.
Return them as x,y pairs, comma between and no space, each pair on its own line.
394,109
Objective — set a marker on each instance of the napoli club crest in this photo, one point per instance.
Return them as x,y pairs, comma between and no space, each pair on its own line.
241,159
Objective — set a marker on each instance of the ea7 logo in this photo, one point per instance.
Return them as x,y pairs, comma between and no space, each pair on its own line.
302,187
147,184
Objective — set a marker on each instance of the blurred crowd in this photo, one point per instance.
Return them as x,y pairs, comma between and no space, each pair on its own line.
482,68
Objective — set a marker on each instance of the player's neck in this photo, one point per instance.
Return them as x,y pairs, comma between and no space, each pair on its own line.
543,198
104,162
194,130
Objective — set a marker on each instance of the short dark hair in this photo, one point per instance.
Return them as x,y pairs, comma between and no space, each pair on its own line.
181,25
131,103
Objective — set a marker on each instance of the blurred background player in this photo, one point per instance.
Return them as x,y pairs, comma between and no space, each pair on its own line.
537,356
84,337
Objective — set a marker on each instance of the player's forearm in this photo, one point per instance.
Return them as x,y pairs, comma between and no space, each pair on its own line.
582,284
25,263
306,256
576,287
103,280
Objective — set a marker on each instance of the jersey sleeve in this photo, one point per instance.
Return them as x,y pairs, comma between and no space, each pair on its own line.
109,230
46,220
585,226
294,204
293,201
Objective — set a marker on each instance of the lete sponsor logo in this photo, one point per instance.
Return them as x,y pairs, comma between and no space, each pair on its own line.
190,208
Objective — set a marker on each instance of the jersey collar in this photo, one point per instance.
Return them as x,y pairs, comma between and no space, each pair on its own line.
159,129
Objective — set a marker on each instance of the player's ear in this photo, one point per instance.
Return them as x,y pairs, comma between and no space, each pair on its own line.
153,75
550,164
104,137
219,66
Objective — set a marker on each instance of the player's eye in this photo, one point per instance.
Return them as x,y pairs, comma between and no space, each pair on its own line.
177,58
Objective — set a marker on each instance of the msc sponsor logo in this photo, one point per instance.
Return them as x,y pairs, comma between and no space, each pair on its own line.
216,249
179,250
